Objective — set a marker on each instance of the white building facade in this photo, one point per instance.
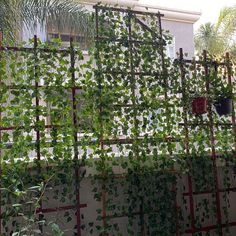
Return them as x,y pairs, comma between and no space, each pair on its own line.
179,23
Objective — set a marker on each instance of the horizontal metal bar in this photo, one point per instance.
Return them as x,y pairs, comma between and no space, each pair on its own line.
115,141
32,50
99,7
32,127
56,209
129,73
15,86
112,141
207,124
210,227
107,40
213,63
130,140
64,208
211,191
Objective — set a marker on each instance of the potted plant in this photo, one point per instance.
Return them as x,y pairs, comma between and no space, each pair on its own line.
223,99
199,104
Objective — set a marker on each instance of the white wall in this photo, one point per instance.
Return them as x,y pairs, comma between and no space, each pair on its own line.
183,34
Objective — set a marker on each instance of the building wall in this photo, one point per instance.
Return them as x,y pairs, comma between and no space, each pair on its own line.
180,25
90,213
183,35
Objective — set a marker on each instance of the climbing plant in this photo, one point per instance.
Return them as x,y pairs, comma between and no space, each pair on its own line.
117,130
37,136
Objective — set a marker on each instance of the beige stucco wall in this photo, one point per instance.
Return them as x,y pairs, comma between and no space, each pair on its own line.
183,35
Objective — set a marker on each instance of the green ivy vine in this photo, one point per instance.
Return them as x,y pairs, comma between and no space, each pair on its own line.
115,128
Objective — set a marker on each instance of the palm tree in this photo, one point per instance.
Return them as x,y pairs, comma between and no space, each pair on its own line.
207,38
16,13
226,26
7,16
220,37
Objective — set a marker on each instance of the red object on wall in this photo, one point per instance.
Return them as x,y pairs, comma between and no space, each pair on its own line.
199,105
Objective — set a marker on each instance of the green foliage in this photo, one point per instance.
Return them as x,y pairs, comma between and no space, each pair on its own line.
208,38
56,230
58,13
120,114
218,38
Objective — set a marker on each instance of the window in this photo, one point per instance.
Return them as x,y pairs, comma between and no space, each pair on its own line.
65,38
170,49
72,30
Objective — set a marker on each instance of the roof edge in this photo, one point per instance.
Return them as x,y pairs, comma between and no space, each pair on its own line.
169,13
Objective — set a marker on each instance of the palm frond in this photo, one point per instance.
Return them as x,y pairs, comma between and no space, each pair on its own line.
58,12
207,38
8,18
226,25
223,14
33,12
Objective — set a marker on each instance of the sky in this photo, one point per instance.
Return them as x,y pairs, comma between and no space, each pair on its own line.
210,8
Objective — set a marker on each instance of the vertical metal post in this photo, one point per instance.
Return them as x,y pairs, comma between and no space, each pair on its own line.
132,69
212,140
165,80
0,148
164,76
177,217
164,70
38,152
104,194
186,133
36,96
134,105
229,75
75,131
